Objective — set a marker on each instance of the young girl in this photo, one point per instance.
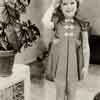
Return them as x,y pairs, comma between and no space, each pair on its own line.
69,53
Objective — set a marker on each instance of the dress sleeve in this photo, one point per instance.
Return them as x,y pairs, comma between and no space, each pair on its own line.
86,49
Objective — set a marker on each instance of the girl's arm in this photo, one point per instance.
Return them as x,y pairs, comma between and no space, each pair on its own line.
86,49
86,53
48,23
47,18
48,26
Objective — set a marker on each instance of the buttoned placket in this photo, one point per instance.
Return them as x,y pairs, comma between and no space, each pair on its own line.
70,29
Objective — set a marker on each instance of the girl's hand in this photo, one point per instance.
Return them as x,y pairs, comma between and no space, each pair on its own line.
55,41
55,3
84,73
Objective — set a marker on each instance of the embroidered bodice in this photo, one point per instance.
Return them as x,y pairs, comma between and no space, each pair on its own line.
64,29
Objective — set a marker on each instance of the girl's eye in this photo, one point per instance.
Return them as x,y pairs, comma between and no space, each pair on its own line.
72,3
64,4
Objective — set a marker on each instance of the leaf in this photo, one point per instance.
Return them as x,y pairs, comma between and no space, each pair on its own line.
3,44
10,15
24,1
21,5
12,37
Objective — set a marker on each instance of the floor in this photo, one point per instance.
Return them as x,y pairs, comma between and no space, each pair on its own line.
38,88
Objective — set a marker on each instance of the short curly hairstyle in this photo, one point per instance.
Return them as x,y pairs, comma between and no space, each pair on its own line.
97,96
59,14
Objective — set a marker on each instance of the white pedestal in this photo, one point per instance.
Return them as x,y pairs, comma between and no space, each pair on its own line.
16,86
87,89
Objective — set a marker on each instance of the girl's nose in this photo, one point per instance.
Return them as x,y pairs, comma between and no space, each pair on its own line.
68,6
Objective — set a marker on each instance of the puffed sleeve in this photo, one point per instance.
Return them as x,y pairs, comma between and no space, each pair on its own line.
85,44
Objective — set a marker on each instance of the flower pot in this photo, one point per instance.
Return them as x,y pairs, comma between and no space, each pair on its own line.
6,63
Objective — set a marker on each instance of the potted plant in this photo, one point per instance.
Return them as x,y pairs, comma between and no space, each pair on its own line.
14,34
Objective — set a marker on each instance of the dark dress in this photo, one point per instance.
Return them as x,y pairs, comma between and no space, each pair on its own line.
66,58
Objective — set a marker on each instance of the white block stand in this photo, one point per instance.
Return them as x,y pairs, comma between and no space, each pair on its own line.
17,85
87,89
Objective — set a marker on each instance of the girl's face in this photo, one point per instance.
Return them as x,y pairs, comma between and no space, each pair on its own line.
69,8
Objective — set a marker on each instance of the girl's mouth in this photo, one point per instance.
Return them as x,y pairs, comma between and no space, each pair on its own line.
68,11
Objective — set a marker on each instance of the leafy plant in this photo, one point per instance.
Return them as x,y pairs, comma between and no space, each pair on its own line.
14,33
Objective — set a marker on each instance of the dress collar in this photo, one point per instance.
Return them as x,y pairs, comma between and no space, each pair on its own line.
69,20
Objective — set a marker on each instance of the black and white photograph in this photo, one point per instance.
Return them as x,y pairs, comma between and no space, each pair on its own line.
49,49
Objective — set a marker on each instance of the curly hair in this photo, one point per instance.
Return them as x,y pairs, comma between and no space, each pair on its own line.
97,96
59,14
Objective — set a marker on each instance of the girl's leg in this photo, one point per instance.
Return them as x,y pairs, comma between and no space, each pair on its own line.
61,95
71,91
60,92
